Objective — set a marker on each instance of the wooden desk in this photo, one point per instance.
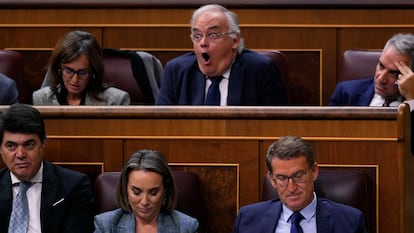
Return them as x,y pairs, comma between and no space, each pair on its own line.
226,148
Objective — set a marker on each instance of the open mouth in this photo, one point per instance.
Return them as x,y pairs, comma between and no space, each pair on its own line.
206,57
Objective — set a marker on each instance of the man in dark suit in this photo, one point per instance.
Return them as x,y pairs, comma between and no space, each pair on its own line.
384,86
292,169
393,81
245,77
8,90
59,200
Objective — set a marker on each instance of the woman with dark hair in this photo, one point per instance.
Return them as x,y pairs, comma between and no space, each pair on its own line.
75,75
147,197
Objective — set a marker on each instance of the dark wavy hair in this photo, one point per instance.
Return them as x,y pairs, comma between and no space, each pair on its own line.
69,48
22,118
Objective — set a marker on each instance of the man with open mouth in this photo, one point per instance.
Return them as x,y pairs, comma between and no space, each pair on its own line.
220,71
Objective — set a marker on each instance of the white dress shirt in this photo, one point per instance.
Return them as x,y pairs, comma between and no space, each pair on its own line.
223,85
308,224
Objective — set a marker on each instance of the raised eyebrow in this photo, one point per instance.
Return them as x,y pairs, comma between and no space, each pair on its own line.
29,141
11,142
196,30
24,143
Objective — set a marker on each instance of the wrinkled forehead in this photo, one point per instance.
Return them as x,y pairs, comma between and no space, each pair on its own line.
210,20
391,55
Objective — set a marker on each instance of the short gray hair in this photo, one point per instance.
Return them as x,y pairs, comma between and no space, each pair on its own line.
232,20
404,43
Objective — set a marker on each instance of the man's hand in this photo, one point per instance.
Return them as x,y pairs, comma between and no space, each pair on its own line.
405,80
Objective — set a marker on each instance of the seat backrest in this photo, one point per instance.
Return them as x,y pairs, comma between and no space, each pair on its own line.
348,186
11,65
189,194
281,63
137,73
358,64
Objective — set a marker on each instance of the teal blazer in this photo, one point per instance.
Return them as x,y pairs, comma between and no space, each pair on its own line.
117,221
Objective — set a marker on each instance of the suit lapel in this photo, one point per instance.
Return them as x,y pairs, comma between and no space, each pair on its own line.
324,221
6,200
366,96
49,191
166,224
126,224
196,91
269,222
235,82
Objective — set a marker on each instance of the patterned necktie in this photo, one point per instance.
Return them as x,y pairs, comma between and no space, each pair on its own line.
296,217
388,101
213,93
20,214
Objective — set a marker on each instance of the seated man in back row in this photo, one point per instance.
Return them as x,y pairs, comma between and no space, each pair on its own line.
292,169
381,90
392,84
220,71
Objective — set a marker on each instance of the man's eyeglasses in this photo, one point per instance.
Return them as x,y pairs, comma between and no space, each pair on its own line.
297,178
211,36
69,73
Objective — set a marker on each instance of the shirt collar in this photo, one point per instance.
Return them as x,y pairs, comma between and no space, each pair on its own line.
226,74
308,212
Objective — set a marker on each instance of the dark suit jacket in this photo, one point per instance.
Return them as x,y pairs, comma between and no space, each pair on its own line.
353,93
8,90
331,217
254,80
74,214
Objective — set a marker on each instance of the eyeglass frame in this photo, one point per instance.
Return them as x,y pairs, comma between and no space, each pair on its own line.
216,36
81,76
295,179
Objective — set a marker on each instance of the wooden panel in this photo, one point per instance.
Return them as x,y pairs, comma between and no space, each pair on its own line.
239,136
220,192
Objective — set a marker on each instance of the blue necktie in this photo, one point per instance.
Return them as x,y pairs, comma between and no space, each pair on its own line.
295,219
213,93
20,214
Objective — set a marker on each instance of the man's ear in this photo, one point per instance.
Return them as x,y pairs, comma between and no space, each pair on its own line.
236,42
315,171
271,179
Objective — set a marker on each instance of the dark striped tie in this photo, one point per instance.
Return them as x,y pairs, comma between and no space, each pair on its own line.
213,93
388,101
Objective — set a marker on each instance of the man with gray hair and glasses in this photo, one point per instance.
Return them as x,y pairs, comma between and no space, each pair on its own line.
394,65
292,170
220,71
392,84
